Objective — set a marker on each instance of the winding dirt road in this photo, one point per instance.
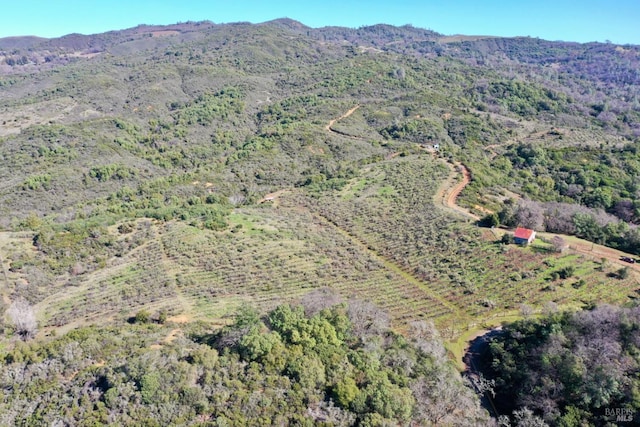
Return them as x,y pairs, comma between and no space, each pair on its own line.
447,194
451,198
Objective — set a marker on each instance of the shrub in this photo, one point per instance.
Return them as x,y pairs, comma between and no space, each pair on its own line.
142,316
623,273
507,238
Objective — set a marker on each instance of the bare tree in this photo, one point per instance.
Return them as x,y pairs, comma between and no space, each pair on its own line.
624,210
237,199
326,412
319,299
23,318
559,217
483,385
525,418
526,310
443,400
559,244
366,319
550,308
427,338
530,214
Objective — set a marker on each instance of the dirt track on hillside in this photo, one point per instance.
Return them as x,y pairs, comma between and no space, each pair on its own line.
448,193
594,251
451,199
344,116
273,197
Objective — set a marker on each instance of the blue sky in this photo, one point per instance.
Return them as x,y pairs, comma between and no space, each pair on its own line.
572,20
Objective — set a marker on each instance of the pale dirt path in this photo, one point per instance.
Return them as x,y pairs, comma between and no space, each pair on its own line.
273,197
451,198
344,116
491,149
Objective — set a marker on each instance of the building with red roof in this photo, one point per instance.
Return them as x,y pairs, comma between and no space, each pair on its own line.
523,236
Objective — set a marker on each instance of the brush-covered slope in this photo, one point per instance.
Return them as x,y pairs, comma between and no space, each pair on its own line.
130,158
169,175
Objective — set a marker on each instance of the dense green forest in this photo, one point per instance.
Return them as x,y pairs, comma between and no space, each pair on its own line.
255,224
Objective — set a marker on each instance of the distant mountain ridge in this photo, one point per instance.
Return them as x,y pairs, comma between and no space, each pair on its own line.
20,42
86,41
377,34
602,61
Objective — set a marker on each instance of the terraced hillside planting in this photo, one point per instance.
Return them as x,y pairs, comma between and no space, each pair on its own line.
269,255
390,210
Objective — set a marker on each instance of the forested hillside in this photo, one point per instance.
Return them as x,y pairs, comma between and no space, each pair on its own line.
331,366
570,368
158,180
